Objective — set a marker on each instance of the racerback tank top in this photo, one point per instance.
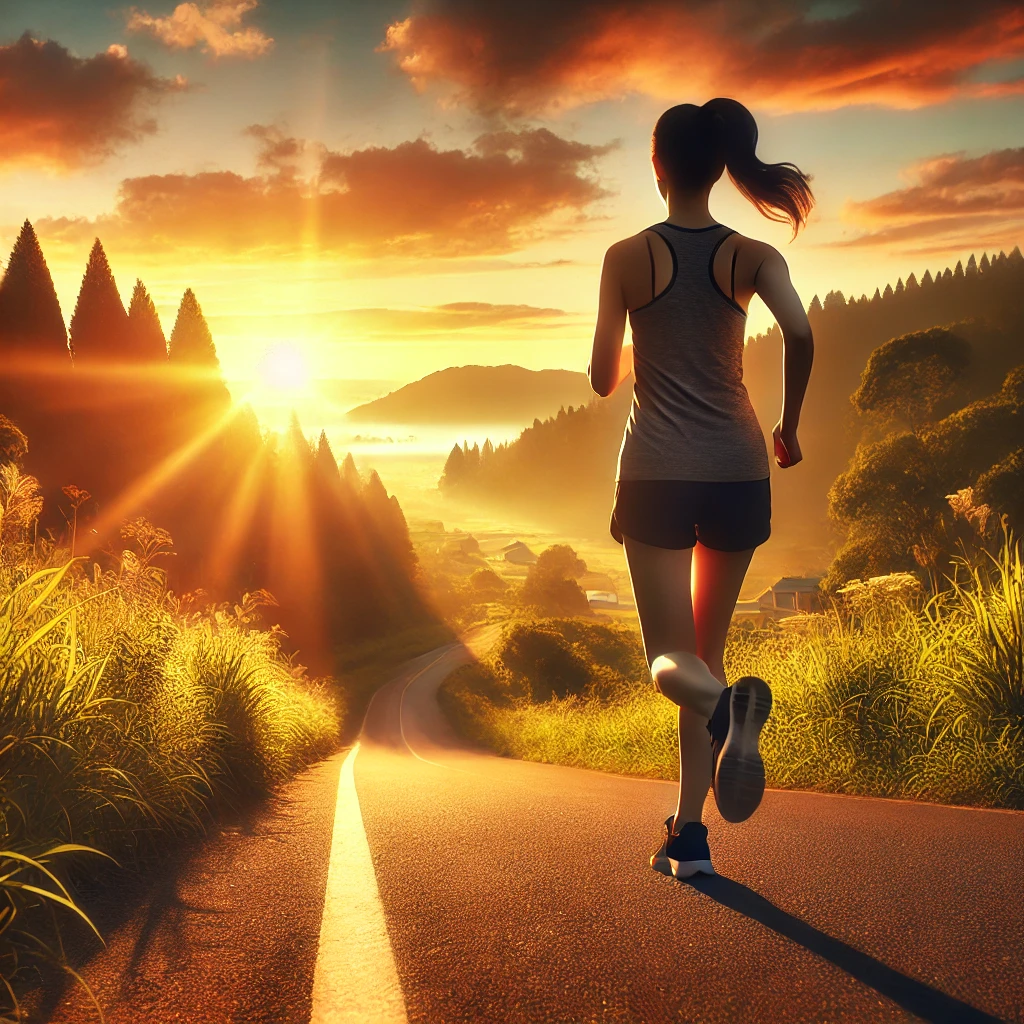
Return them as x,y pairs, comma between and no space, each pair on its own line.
691,417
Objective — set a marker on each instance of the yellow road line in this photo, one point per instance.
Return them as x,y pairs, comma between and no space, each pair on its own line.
355,980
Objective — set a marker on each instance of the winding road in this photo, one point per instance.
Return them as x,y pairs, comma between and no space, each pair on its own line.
452,886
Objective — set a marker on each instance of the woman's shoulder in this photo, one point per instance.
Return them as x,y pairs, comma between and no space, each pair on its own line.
756,247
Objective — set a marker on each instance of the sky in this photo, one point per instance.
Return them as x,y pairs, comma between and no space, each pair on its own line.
377,189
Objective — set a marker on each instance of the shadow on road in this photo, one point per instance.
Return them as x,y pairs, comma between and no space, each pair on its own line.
918,998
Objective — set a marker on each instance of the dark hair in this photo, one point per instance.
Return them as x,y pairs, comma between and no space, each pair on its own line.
694,145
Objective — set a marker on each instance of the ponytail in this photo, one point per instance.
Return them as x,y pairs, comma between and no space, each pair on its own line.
695,144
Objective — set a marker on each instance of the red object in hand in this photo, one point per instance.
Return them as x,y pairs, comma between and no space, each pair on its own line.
781,455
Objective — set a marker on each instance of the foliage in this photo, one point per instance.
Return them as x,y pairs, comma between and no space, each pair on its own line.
128,718
888,692
893,498
551,582
99,325
913,376
145,332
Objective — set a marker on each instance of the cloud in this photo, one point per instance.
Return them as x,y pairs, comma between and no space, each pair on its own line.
503,192
385,323
780,55
64,112
954,200
214,26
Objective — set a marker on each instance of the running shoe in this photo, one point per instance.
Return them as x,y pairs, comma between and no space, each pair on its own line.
684,854
735,727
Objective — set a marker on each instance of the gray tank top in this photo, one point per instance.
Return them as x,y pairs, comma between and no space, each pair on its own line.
691,417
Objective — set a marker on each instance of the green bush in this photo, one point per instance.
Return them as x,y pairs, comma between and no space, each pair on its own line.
886,693
126,721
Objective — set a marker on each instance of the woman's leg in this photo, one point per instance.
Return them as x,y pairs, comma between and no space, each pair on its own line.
685,600
661,588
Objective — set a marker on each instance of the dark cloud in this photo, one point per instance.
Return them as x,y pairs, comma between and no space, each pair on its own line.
955,198
503,192
64,111
784,55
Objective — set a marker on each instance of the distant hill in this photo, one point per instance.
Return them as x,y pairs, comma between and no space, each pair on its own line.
561,471
470,395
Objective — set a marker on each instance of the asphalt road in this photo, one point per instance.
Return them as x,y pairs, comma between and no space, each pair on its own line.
521,893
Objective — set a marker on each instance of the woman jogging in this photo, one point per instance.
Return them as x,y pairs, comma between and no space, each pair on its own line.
692,497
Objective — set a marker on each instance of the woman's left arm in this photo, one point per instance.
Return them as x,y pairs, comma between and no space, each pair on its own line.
611,361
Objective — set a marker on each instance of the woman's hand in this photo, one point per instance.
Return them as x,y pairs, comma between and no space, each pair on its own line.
787,447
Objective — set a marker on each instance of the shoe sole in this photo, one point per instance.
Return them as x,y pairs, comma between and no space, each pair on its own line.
681,868
739,773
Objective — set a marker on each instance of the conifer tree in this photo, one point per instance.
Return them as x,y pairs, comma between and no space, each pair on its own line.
984,264
947,275
912,284
877,297
899,287
350,474
454,468
326,464
972,266
145,334
959,272
887,294
815,306
30,314
926,279
99,326
191,341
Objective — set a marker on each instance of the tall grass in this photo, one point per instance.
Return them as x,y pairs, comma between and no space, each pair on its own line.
890,692
126,720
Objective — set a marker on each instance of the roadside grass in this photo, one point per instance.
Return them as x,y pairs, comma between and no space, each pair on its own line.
126,721
889,692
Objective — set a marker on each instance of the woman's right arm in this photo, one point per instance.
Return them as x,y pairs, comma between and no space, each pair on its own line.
772,282
611,361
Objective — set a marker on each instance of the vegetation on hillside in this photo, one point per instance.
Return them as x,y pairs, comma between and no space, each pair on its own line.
892,691
130,716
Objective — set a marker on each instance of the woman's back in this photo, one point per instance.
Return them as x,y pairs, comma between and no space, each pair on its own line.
691,417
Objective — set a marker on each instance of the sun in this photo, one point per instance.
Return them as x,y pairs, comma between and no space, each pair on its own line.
284,368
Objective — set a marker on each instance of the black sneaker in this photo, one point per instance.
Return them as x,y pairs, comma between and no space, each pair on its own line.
684,854
735,727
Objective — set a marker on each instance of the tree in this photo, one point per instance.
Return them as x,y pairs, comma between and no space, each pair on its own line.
30,315
326,463
913,376
145,334
13,443
551,582
99,326
191,341
454,468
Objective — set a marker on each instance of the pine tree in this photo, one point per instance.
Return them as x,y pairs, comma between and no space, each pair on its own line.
99,326
947,275
145,334
959,272
926,279
350,474
454,468
30,314
912,284
984,264
191,341
972,266
1015,255
815,306
899,287
887,294
326,464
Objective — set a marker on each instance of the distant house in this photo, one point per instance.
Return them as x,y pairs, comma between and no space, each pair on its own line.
518,553
600,590
787,596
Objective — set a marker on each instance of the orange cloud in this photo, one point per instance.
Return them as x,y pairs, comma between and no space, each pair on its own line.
413,200
207,25
63,111
780,55
956,201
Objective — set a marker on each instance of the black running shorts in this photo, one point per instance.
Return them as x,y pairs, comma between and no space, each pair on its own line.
727,516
